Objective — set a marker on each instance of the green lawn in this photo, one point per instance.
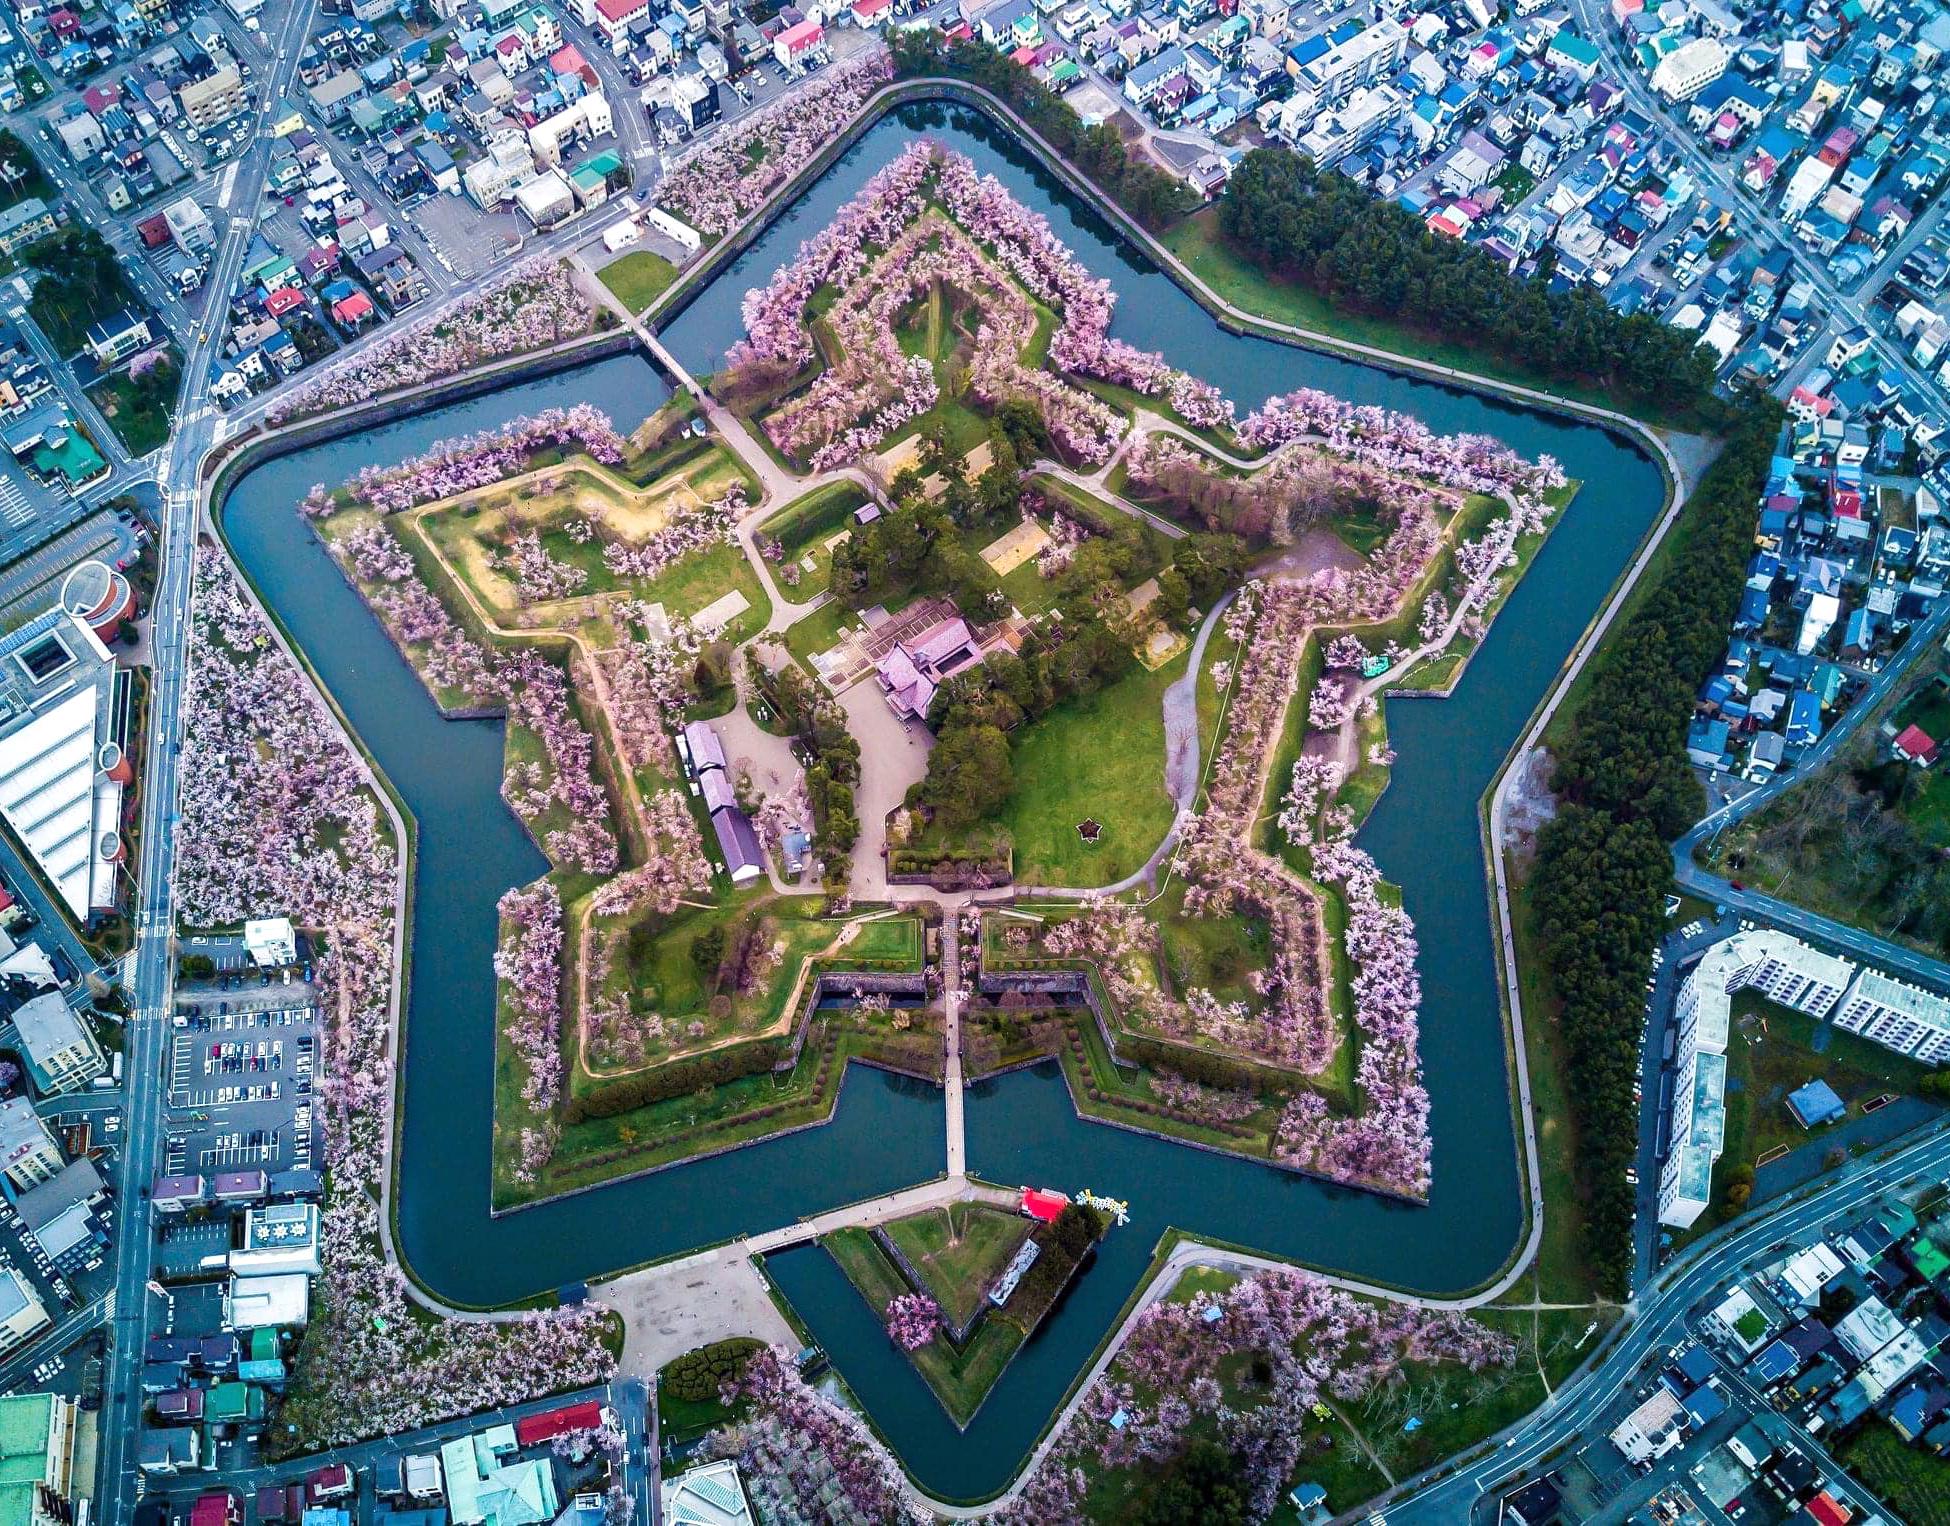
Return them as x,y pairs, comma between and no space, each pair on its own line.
1911,1481
819,631
960,1379
655,967
814,517
886,940
639,278
1765,1064
1101,757
139,409
959,1251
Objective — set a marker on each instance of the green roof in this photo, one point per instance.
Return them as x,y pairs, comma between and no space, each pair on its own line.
24,1423
233,1401
1929,1259
68,453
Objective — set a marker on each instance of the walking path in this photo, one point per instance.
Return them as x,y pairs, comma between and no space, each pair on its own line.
951,1007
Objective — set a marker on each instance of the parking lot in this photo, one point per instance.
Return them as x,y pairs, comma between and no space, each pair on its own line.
241,1073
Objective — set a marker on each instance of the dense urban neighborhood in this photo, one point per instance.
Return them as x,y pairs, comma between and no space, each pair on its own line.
1143,761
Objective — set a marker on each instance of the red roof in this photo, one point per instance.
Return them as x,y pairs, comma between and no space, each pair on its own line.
213,1510
1915,742
154,231
797,38
620,10
1041,1203
283,300
351,309
1826,1509
870,7
531,1429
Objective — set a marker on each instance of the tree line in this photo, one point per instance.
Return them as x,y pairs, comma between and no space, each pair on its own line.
1373,255
1149,193
1625,790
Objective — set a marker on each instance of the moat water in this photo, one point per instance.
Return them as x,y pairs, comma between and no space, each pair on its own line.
887,1132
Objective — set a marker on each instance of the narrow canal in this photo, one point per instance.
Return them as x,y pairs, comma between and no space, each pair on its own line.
887,1132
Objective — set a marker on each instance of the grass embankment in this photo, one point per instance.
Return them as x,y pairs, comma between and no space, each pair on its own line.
803,527
959,1251
1235,279
961,1379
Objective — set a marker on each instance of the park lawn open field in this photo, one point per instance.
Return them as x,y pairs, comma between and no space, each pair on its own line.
654,967
1120,732
639,278
140,409
959,1251
891,940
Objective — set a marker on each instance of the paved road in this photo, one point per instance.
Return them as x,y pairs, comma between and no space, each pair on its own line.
1653,1321
118,1482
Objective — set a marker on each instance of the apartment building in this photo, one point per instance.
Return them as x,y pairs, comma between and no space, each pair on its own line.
207,102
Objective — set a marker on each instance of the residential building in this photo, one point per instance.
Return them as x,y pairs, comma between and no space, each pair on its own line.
37,1459
209,102
1897,1015
62,1055
1690,68
64,713
28,1153
22,1315
709,1495
1369,55
547,200
278,1238
24,223
190,226
114,339
1782,968
487,1483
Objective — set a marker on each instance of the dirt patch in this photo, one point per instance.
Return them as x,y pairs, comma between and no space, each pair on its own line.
1529,804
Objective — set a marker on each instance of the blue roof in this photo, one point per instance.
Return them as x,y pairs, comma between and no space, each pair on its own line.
1816,1103
1704,1405
1804,716
1695,1365
1775,1362
1753,607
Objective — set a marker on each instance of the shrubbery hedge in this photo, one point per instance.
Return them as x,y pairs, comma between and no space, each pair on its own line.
697,1376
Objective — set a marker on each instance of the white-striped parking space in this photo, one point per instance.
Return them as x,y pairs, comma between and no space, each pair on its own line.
15,509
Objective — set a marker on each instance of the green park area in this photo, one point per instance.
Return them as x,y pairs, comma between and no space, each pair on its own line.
638,278
1355,1448
139,402
1911,1480
959,1253
688,1388
78,282
475,538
